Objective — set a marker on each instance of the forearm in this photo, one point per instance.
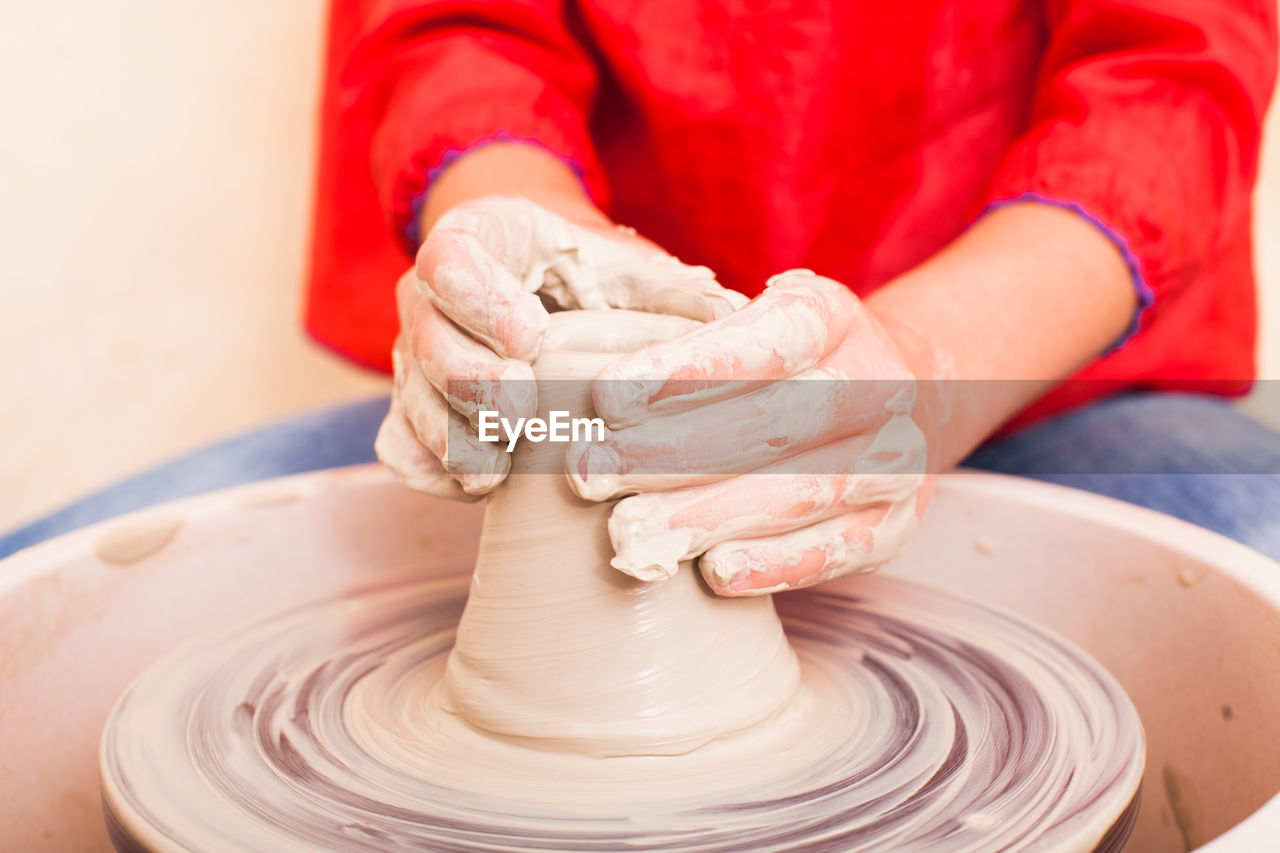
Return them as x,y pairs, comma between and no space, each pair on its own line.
513,170
1030,294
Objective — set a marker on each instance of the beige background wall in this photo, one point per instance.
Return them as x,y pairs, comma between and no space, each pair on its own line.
154,206
153,202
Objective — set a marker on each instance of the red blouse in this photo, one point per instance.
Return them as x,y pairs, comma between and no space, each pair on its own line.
852,138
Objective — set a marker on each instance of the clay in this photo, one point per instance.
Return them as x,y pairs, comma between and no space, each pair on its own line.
925,720
578,707
557,647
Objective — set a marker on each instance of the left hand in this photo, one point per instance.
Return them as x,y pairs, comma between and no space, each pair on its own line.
805,465
473,313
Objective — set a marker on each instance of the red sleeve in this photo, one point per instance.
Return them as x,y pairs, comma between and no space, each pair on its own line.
408,85
1147,119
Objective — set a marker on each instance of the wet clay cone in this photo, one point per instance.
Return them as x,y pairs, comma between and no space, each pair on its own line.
558,650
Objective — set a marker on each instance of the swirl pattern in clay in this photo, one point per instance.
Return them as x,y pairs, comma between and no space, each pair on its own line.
924,723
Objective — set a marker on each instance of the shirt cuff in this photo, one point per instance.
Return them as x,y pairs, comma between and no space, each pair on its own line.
418,187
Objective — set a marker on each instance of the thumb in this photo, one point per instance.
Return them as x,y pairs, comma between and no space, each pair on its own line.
616,268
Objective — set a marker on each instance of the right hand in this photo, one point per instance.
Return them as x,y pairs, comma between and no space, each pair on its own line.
472,313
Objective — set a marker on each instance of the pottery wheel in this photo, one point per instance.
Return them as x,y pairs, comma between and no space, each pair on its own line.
551,703
955,727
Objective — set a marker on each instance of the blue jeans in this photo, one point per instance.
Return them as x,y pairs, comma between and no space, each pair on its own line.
1198,460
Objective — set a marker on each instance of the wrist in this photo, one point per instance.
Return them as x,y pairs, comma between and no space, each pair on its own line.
512,169
926,358
1023,299
933,367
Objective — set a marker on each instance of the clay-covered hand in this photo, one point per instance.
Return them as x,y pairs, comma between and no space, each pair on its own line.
472,317
777,445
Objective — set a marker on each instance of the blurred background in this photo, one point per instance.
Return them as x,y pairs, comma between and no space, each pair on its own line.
154,194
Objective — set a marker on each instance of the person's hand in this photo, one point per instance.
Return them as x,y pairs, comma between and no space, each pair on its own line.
472,317
782,439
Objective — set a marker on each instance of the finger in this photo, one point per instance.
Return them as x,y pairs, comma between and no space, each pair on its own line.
469,375
615,268
478,466
640,276
858,541
685,291
474,266
743,434
411,462
653,533
785,331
